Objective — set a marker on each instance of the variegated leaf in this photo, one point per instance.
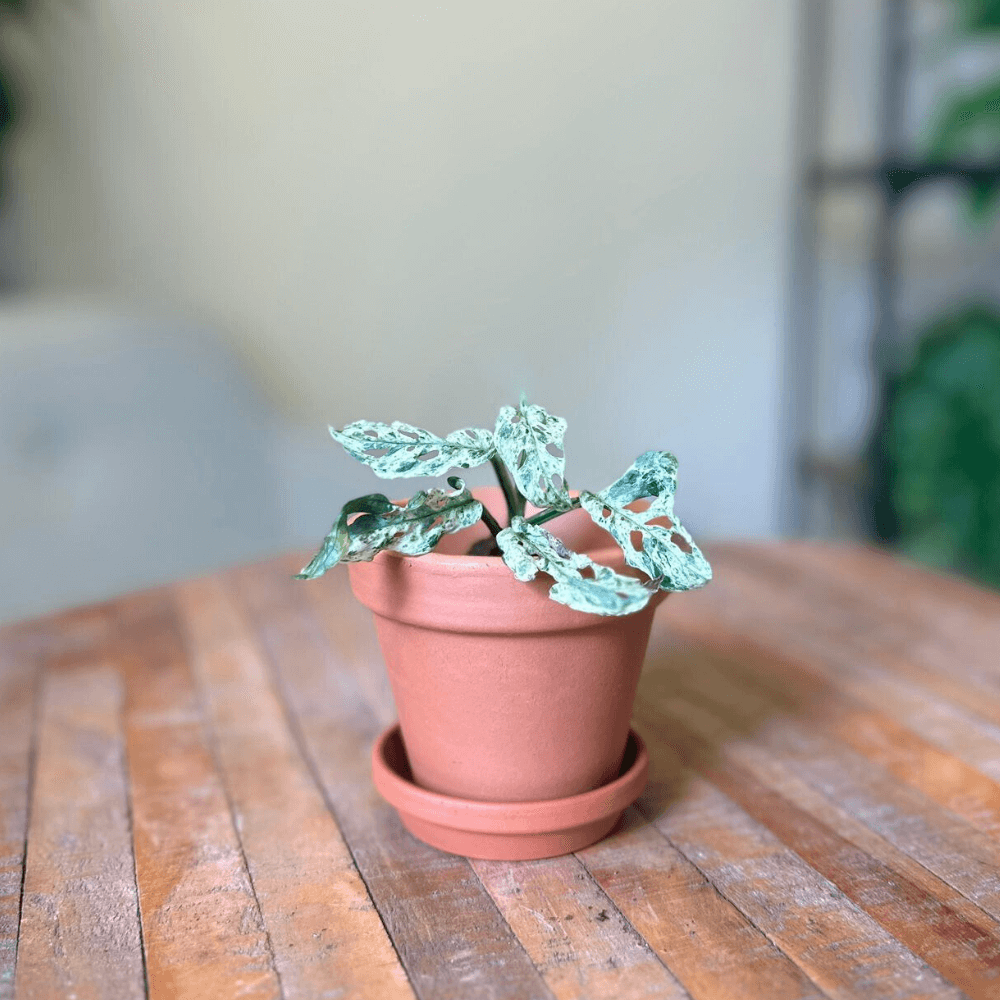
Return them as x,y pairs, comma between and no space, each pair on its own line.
413,530
655,551
529,549
523,438
398,449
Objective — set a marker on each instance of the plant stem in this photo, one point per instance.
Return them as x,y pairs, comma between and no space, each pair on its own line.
515,502
491,522
552,512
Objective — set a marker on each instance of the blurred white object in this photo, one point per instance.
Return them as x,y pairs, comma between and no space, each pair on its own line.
132,451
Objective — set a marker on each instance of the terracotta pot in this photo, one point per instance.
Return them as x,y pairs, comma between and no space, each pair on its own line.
504,695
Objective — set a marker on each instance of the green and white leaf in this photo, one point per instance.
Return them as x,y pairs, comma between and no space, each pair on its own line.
522,439
653,474
398,449
413,530
529,549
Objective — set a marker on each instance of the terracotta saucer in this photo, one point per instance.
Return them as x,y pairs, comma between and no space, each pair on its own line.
506,831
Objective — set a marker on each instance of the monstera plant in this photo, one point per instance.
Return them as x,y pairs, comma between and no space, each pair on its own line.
513,621
526,451
944,446
937,450
966,128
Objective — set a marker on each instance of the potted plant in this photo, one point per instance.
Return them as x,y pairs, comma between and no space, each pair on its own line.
514,692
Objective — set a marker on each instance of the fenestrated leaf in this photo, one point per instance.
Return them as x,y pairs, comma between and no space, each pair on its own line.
413,530
657,554
523,437
529,549
398,449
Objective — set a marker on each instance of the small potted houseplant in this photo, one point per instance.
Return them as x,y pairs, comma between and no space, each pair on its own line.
513,621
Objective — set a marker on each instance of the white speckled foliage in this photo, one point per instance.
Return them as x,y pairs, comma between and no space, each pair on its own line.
526,450
413,530
530,442
398,449
653,548
529,550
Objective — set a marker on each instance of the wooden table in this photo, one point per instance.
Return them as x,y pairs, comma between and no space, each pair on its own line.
186,808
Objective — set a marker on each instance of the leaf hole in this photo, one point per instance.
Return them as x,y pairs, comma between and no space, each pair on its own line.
635,537
516,419
541,481
681,542
428,455
469,434
588,573
409,434
520,459
606,512
439,520
376,452
554,450
371,434
557,480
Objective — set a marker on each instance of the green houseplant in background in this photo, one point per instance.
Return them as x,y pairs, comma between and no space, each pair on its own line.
8,90
944,445
513,621
942,433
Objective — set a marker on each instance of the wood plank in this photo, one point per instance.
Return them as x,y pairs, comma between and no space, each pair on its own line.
325,932
18,671
946,845
899,880
923,912
80,931
916,636
446,928
944,604
836,943
758,624
908,630
203,930
708,944
578,939
755,690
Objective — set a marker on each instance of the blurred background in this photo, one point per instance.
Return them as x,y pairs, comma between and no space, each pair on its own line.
763,234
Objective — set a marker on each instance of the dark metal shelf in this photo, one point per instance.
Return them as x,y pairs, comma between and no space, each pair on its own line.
891,174
896,175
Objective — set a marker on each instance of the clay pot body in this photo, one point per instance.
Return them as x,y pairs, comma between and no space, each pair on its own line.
504,695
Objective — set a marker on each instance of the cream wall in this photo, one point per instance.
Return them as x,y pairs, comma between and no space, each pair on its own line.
414,210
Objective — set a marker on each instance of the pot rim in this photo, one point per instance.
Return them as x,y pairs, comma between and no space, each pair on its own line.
439,563
442,562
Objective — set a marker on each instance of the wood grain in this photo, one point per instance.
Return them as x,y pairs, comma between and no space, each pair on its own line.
767,628
18,670
79,923
305,881
934,921
712,948
202,926
446,928
189,770
577,938
807,917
